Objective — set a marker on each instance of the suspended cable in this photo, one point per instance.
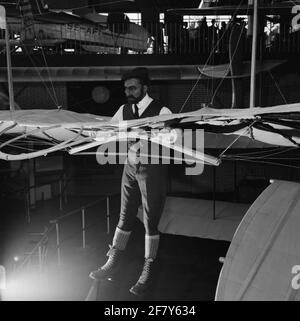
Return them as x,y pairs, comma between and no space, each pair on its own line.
259,154
277,86
230,62
265,162
238,137
51,82
41,78
207,61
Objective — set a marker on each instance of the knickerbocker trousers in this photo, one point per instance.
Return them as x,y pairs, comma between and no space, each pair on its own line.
146,184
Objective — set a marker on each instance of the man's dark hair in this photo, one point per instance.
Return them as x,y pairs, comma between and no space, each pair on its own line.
140,73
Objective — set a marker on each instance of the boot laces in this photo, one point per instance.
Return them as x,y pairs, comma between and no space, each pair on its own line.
113,255
146,271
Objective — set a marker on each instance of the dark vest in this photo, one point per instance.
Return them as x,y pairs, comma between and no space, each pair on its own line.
153,109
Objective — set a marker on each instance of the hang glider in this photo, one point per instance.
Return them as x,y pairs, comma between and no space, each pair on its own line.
47,131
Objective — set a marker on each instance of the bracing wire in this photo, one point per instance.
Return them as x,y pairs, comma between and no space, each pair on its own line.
190,93
229,65
51,82
266,157
277,86
264,162
264,153
41,78
236,139
273,154
206,63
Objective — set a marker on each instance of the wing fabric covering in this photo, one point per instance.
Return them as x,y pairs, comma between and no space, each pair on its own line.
62,129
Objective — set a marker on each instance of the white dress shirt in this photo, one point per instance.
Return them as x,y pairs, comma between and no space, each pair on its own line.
142,105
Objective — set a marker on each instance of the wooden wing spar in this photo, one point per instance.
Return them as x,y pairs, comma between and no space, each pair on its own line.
54,130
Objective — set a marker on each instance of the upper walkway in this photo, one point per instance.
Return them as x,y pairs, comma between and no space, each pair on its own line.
174,51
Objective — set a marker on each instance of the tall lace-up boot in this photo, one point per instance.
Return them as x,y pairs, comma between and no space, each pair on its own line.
114,254
149,267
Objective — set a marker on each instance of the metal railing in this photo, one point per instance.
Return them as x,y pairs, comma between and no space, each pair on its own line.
62,185
39,249
185,38
82,210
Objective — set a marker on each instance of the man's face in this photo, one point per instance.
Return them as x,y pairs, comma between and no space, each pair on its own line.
134,90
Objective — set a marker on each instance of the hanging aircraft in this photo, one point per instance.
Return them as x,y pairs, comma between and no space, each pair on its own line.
39,26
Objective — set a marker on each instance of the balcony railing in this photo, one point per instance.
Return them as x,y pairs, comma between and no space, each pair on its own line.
159,39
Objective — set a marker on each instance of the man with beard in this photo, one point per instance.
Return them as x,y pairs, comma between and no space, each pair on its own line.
141,183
